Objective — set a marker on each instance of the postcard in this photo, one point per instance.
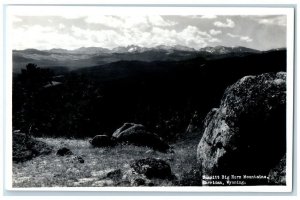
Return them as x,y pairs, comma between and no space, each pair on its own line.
149,98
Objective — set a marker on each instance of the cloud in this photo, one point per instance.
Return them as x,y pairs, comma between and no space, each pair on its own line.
189,36
99,37
61,26
214,40
278,20
191,31
45,37
39,37
241,38
202,16
228,24
232,35
70,15
49,37
192,36
129,21
208,17
157,20
113,31
215,32
246,39
110,21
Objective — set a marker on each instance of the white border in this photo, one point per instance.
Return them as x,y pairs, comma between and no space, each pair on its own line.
52,10
157,2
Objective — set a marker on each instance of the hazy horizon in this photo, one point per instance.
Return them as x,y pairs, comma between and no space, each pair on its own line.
110,49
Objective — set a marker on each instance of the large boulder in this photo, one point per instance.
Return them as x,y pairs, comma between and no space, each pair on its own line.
152,168
246,135
128,129
102,141
136,134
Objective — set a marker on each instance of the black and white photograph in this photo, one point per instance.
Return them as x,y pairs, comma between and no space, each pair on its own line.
151,98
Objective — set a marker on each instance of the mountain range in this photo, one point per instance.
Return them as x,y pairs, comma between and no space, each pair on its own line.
93,56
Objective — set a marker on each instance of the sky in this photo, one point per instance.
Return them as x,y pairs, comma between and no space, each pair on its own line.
65,31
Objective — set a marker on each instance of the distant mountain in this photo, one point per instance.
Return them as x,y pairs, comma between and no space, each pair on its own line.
183,48
92,56
165,48
129,49
91,50
81,50
174,48
33,52
227,50
58,50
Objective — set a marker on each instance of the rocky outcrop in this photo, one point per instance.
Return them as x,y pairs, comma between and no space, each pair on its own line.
136,134
246,134
102,141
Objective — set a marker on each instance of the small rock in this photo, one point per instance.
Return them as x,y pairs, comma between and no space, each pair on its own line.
80,159
64,151
150,184
138,182
115,174
108,173
152,168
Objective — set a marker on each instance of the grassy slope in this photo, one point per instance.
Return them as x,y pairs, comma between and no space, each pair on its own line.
55,171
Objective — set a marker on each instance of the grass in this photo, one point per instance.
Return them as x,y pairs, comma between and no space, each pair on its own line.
66,171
